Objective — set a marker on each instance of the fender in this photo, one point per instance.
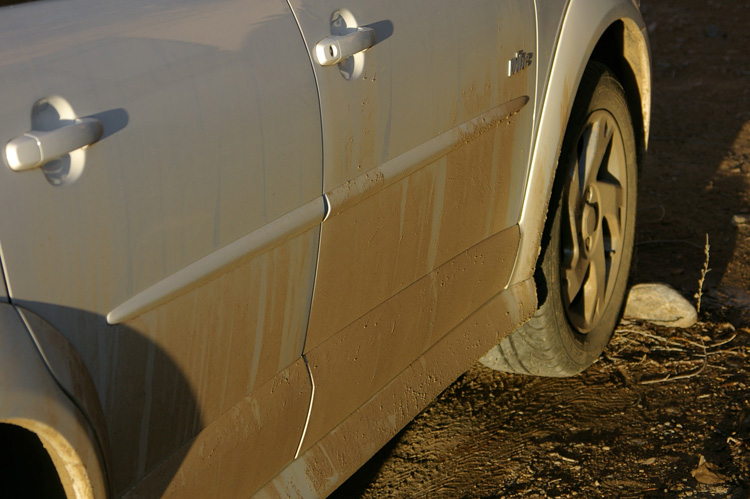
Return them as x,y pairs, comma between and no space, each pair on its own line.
584,24
44,391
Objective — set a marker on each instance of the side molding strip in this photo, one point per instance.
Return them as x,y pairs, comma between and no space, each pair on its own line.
390,172
268,236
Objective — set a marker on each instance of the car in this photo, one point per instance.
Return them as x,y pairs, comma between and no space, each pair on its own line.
245,242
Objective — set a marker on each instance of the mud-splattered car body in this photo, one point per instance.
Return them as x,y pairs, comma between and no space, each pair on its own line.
263,260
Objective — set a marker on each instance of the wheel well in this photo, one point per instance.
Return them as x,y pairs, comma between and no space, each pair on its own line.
616,49
26,468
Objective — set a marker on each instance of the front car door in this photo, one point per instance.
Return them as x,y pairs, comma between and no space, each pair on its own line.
426,139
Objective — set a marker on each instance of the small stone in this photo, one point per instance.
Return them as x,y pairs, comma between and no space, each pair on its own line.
659,304
742,219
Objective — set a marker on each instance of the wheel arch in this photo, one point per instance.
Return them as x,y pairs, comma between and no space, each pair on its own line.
35,398
68,465
624,50
26,466
608,31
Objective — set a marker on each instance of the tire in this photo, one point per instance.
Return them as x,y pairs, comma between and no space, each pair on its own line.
588,240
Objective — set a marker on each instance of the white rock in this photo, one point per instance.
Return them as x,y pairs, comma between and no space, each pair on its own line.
660,304
739,220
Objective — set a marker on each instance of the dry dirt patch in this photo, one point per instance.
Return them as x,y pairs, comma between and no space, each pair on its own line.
634,425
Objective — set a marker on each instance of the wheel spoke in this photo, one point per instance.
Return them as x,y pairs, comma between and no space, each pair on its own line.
596,150
599,276
587,304
612,215
612,199
575,278
571,229
590,295
574,187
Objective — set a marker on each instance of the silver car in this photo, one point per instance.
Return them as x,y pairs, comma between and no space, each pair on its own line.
244,242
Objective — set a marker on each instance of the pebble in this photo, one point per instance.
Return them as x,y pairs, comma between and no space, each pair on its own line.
739,220
659,304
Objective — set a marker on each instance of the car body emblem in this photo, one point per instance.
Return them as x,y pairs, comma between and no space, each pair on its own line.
521,61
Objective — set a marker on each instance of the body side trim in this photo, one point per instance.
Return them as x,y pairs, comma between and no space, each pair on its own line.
390,172
268,236
578,37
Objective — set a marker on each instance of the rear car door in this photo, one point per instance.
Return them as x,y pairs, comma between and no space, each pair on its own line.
426,137
176,254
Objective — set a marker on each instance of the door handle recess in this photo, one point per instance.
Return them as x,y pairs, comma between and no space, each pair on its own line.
333,49
36,147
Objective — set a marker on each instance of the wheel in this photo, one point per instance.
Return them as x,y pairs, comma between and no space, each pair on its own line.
588,241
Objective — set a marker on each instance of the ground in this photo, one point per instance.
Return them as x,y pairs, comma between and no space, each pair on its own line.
664,412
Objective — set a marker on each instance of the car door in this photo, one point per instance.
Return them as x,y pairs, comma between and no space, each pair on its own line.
176,253
426,135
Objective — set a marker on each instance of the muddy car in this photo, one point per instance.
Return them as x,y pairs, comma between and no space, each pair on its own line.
245,242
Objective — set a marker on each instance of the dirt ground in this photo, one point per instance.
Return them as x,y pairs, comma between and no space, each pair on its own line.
665,412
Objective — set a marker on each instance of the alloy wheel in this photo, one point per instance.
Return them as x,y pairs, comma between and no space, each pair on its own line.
593,222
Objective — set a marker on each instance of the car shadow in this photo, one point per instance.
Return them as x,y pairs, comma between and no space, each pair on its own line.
147,410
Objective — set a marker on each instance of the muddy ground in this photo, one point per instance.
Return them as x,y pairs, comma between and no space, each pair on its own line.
665,412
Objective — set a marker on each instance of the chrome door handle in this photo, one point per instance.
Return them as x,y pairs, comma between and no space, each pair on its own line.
36,147
333,49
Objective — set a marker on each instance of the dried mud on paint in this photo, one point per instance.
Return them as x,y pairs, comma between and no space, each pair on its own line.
665,413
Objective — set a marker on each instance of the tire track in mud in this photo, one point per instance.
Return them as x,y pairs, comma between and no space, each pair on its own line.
598,434
482,427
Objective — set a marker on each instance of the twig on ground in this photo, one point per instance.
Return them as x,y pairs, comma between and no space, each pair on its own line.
669,377
705,270
724,342
649,335
667,349
673,353
731,352
685,340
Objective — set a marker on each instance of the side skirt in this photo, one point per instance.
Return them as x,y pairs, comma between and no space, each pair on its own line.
335,457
